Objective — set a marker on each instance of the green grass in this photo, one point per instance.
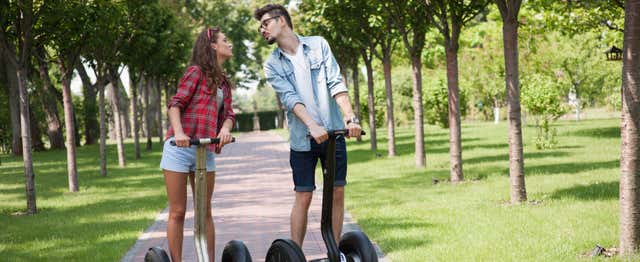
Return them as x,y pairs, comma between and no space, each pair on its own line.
98,223
573,193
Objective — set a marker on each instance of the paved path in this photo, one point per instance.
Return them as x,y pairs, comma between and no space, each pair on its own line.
252,200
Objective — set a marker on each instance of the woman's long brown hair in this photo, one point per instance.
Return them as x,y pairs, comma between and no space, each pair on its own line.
204,56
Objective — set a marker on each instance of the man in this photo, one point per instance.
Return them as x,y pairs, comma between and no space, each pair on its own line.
307,79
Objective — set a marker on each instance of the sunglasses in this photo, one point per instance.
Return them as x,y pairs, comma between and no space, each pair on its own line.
265,22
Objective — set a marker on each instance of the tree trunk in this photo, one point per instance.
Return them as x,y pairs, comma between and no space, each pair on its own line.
124,111
91,129
356,92
69,121
117,122
630,133
159,111
14,107
36,133
147,112
133,85
418,119
391,131
518,190
30,180
455,147
50,105
372,106
103,129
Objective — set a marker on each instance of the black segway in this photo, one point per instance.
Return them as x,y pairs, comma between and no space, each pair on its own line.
234,250
355,244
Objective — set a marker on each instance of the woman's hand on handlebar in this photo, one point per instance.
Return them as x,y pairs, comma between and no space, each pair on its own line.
225,138
182,140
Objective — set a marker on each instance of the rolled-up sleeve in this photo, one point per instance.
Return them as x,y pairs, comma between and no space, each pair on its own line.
286,92
186,88
334,78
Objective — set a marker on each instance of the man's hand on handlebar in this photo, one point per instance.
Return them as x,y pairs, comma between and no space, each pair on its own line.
318,133
354,130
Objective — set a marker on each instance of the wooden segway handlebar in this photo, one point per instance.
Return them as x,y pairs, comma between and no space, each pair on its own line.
203,141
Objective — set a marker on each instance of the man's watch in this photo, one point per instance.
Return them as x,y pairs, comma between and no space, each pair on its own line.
354,120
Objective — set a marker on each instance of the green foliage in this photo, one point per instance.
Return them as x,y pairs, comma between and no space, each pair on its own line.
541,97
436,103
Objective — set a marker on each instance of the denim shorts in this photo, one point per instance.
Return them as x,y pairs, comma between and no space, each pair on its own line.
303,164
183,159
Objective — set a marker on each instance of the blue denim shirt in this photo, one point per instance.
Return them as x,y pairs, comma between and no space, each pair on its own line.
325,73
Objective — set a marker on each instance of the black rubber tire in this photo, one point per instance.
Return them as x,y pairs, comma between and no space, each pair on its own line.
285,250
156,254
236,251
357,247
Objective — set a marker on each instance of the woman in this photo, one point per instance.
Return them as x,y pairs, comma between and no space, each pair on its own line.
200,108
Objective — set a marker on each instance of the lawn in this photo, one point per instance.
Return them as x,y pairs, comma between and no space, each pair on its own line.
98,223
573,191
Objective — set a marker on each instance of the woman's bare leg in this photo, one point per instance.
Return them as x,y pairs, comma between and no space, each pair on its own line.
176,184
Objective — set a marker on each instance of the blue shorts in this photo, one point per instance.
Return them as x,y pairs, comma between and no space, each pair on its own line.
183,159
303,165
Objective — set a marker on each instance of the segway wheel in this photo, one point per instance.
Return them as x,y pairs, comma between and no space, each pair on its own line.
357,247
236,251
156,254
284,250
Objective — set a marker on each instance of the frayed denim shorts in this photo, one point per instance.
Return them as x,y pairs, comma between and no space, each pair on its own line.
183,159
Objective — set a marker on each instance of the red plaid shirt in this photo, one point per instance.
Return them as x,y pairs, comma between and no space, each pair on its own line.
198,106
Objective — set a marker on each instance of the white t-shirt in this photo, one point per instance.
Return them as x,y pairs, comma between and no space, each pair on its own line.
302,73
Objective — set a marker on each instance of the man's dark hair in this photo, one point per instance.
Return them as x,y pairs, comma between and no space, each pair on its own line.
273,10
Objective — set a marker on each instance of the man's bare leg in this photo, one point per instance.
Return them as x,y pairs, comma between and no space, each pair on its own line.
299,216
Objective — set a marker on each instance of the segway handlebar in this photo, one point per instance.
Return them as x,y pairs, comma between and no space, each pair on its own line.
203,141
338,132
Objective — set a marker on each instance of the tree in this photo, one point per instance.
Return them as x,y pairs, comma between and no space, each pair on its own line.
21,30
63,25
387,36
48,98
409,21
509,10
449,17
108,27
630,132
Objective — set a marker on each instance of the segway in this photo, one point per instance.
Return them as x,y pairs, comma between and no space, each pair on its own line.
355,244
234,250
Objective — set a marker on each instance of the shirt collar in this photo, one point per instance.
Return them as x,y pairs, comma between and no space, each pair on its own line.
303,41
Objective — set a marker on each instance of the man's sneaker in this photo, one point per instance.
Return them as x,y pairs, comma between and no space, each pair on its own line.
343,258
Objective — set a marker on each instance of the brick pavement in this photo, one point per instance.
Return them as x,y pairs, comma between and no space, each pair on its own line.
252,201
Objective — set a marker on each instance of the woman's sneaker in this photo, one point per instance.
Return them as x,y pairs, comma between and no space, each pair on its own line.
343,258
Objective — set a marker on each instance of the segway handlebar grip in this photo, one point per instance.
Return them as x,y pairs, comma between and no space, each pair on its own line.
203,141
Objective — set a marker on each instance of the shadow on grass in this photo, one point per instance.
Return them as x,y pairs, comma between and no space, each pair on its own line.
605,132
382,230
595,191
505,157
571,168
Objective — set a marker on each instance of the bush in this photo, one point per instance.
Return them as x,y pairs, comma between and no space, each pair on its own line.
244,121
542,97
436,103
